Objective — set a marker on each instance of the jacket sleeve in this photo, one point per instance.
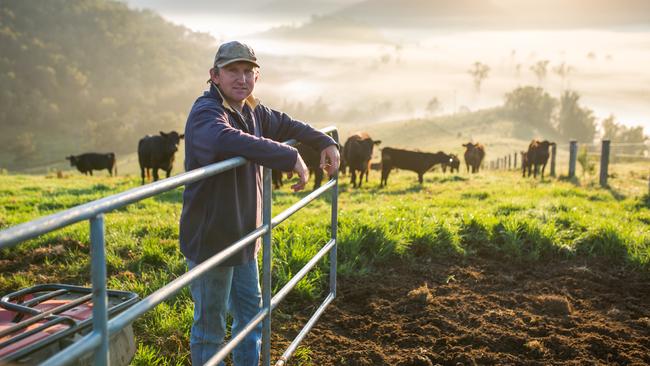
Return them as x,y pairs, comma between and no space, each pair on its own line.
213,139
279,126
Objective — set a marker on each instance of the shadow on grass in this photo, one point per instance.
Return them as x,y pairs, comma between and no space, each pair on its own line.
82,191
573,180
615,193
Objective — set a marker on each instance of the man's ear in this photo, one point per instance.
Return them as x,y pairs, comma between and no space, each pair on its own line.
214,76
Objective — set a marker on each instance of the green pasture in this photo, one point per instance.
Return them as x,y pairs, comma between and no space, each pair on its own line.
491,214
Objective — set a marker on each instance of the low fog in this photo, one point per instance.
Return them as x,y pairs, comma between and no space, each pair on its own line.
344,56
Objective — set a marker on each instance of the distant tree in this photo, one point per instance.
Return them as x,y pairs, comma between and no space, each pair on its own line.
540,69
563,70
575,121
633,137
610,128
479,73
433,106
531,105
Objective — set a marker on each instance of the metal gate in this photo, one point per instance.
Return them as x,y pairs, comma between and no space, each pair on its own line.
97,341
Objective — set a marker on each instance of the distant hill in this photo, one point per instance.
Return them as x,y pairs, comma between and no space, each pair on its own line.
91,75
359,20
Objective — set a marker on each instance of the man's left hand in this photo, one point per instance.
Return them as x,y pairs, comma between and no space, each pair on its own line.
330,159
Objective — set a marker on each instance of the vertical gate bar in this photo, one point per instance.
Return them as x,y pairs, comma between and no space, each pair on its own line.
333,264
573,155
334,226
553,154
604,163
266,267
100,297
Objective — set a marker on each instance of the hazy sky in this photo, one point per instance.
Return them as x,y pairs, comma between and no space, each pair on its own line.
352,58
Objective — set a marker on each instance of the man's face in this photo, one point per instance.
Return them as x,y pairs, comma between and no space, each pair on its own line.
236,81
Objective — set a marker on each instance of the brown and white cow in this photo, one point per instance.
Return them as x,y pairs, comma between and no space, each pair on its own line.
357,153
474,154
416,161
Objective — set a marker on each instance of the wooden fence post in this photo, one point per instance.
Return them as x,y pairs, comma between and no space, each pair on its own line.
604,163
515,155
553,153
509,162
573,155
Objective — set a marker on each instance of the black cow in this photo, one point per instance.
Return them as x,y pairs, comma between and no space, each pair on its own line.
157,152
416,161
88,162
537,155
454,164
474,154
357,153
311,157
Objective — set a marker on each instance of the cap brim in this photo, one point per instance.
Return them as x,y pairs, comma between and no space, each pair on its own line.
237,60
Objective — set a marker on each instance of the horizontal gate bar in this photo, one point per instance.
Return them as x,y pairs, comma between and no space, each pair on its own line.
302,203
295,279
292,347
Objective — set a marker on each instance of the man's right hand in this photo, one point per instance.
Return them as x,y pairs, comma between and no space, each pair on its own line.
303,174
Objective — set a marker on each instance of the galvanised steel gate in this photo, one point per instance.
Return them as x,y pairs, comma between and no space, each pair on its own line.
97,341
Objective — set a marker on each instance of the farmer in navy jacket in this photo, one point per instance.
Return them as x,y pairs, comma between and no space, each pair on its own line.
225,122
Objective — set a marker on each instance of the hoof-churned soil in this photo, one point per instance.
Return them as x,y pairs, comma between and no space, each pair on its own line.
482,312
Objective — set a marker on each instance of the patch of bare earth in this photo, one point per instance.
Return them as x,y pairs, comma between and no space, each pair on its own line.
482,312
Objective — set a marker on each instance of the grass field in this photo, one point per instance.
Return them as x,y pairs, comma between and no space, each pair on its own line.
492,214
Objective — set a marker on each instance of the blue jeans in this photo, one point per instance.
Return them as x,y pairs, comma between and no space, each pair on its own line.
223,290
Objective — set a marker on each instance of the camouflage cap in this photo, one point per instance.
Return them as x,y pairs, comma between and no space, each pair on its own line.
232,52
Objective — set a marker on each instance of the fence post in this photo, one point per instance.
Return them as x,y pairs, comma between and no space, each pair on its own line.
266,267
573,155
100,297
515,158
509,162
604,163
553,153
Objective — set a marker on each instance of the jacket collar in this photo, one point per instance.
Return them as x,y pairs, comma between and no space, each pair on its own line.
251,101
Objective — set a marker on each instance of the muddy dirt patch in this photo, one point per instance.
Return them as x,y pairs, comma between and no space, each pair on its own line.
483,312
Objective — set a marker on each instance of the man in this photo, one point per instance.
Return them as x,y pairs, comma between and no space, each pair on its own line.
225,122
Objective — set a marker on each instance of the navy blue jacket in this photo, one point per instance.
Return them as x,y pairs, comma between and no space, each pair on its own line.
219,210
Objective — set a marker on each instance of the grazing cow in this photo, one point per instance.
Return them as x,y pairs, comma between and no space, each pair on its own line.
416,161
311,157
357,153
157,152
474,154
454,164
276,178
88,162
537,155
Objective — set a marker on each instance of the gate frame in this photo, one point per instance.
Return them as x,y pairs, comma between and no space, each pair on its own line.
97,341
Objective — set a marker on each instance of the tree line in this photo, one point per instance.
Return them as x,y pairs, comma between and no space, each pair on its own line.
91,75
565,115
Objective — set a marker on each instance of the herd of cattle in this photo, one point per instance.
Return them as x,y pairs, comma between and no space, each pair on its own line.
154,152
157,152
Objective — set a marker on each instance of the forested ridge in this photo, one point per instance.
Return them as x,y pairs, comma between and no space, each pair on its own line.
91,75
